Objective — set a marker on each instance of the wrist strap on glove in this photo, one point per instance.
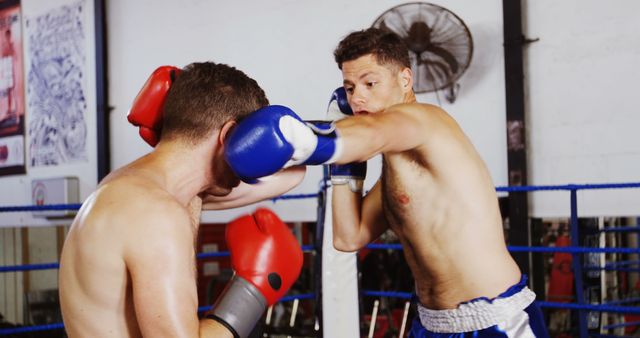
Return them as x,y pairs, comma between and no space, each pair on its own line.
239,307
352,174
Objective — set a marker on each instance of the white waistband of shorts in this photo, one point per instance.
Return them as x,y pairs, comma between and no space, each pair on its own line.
475,315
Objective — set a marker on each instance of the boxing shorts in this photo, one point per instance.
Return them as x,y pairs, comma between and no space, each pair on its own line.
512,314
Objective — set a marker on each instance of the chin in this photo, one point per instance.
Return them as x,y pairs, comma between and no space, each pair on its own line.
219,191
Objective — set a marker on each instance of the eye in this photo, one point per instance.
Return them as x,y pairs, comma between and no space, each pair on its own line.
349,90
371,84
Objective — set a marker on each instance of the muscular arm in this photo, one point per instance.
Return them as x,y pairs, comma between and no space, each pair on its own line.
161,265
269,187
399,128
357,221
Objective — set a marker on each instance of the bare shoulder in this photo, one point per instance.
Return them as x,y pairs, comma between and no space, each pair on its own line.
420,111
138,202
149,218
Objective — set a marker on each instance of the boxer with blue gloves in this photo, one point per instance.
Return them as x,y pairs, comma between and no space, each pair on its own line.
435,194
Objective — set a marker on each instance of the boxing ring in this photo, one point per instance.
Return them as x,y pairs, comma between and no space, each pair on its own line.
337,293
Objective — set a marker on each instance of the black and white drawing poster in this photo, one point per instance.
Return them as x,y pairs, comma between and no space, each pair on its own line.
56,82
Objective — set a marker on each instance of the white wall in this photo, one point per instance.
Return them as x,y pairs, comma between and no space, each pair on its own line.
287,46
583,113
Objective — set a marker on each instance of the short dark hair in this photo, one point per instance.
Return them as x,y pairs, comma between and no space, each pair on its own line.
206,95
385,45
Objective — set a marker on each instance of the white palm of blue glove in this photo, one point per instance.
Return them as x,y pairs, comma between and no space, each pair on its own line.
303,140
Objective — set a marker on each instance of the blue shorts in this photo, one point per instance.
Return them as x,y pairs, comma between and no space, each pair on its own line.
512,314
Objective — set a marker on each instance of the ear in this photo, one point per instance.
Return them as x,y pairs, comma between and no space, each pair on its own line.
406,78
225,130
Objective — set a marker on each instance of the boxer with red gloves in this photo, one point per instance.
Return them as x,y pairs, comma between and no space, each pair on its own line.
266,259
127,265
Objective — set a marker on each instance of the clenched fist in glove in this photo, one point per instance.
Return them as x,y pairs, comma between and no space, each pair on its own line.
266,259
146,111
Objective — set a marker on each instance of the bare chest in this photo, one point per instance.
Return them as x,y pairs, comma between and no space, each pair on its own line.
405,192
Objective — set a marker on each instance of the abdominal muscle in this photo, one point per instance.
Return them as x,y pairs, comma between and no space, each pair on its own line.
452,239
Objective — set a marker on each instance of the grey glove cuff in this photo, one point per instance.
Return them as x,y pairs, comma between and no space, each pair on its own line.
239,307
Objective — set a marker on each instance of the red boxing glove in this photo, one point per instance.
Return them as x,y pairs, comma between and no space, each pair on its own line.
264,252
146,111
267,260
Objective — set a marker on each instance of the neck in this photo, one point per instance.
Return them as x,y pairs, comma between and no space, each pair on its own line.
184,171
409,97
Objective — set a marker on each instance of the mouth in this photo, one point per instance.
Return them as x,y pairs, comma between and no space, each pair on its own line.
361,112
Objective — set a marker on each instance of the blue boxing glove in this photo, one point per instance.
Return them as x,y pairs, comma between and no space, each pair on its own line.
354,173
273,138
339,107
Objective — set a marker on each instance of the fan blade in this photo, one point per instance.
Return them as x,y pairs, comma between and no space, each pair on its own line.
446,56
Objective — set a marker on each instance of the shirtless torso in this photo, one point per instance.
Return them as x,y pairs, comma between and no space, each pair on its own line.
117,260
128,263
441,203
435,191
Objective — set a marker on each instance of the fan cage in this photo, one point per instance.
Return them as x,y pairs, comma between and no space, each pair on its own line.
440,43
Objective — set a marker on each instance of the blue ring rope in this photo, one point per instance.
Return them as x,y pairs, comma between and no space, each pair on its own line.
625,324
217,254
569,187
294,197
29,267
40,207
611,268
76,206
524,188
629,228
624,301
623,263
393,246
35,328
591,307
392,294
568,249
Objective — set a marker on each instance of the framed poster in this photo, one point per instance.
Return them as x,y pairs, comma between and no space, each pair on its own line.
12,130
65,86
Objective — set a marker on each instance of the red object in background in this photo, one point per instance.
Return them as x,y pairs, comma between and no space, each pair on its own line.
561,279
4,153
628,318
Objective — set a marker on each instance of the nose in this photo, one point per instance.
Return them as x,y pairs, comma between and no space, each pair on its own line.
357,97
